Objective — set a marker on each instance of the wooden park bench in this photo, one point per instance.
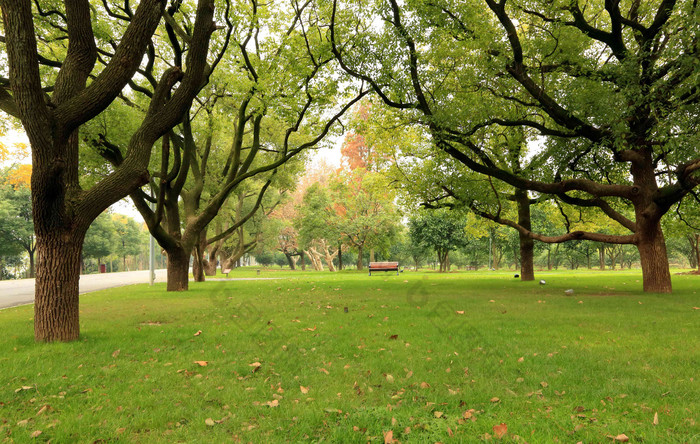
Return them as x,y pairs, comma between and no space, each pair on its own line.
226,271
383,266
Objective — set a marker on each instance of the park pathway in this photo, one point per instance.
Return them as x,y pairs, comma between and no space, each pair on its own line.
21,291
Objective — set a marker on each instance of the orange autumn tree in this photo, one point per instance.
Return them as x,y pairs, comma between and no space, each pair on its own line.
19,176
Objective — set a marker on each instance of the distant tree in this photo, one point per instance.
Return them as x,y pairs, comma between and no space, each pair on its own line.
129,241
367,215
101,238
16,226
318,225
441,230
280,259
265,258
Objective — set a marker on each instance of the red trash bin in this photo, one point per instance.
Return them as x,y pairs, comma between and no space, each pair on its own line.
103,268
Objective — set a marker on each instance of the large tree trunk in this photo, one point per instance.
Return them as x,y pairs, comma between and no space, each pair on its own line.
527,244
652,253
359,258
178,269
56,300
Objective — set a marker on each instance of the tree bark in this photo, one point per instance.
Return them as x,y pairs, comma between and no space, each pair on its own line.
656,275
198,263
359,258
32,272
178,269
198,271
527,244
340,256
56,300
290,261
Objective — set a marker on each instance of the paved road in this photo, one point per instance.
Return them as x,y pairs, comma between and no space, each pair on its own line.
20,292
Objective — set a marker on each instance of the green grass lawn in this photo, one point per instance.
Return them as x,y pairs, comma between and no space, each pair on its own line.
420,357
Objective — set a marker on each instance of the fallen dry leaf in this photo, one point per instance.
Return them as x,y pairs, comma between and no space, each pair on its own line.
310,329
499,431
620,438
256,366
494,399
438,414
323,370
656,419
394,337
116,352
36,433
460,312
390,379
44,409
303,389
424,385
202,363
521,359
389,437
199,332
273,403
24,387
210,422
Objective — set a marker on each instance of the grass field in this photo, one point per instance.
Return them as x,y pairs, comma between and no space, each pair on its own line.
420,357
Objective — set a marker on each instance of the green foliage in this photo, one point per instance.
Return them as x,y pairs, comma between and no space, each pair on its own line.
101,238
266,258
443,231
16,226
368,217
317,217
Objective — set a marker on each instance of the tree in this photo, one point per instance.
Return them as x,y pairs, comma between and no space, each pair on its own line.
441,230
129,239
101,238
268,108
265,258
16,227
613,100
367,215
319,227
53,99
